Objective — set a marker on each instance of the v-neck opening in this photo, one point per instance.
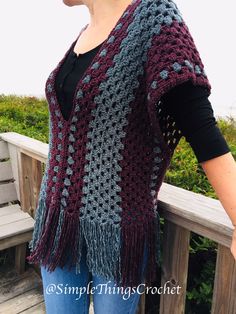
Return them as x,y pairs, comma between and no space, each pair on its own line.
104,44
86,52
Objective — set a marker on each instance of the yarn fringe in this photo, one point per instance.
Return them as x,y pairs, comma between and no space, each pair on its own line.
103,248
39,221
132,253
54,240
114,252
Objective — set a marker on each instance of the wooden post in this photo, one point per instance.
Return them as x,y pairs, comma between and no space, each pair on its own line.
30,176
20,252
141,306
224,294
175,268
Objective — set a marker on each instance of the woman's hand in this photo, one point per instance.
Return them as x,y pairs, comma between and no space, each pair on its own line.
233,244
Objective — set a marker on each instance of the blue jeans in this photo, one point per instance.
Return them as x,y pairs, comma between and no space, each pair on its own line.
66,292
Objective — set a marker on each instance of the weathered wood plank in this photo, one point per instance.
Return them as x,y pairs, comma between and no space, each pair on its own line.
15,240
8,192
22,283
23,301
11,218
175,268
5,170
196,212
7,274
10,209
16,228
14,152
198,228
224,293
36,177
4,153
30,178
141,305
37,309
20,254
28,145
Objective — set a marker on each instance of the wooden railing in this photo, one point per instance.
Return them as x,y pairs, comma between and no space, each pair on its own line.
183,211
27,158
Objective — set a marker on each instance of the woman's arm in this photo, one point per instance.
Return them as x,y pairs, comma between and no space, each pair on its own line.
191,109
193,113
221,173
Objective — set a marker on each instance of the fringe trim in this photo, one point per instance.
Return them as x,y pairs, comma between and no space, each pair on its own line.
154,250
132,253
39,221
103,248
113,251
55,244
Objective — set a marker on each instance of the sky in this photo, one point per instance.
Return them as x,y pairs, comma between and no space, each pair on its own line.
36,34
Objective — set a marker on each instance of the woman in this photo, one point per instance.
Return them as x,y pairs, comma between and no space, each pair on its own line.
125,92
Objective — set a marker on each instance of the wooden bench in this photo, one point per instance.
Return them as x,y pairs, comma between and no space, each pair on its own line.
16,225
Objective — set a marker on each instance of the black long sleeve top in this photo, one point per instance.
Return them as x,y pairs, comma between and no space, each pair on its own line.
188,104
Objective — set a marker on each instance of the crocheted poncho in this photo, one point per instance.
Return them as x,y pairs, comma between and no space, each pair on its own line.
106,162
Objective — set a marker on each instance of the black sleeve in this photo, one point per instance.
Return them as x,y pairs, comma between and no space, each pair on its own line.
191,109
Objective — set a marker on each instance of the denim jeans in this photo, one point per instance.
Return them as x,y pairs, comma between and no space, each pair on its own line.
66,292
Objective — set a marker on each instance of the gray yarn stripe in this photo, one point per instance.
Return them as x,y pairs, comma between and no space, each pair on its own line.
41,209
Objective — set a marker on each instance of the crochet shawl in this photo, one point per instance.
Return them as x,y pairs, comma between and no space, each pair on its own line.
106,163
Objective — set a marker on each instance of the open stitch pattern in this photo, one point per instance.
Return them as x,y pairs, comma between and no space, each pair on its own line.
106,162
